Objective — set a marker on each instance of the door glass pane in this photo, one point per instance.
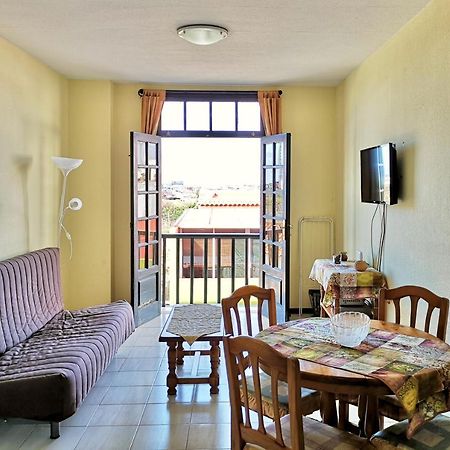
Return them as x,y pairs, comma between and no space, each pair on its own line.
268,150
152,180
172,116
141,181
279,179
249,116
141,153
142,231
280,257
268,254
152,255
276,256
279,204
142,212
152,204
279,231
197,116
279,154
268,174
142,258
268,206
223,116
268,230
152,155
152,230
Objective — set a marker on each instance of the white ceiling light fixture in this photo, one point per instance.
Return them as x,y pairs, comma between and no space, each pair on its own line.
202,34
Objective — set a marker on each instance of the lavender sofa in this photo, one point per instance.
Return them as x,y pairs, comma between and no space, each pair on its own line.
49,357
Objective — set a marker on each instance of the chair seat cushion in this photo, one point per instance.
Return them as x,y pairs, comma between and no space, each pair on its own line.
389,406
434,435
48,375
310,399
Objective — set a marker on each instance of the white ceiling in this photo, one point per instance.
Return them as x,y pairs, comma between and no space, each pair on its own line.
270,42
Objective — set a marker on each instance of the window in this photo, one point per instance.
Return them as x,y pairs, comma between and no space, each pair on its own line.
211,114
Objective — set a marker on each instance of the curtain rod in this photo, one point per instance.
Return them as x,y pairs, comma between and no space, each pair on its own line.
140,92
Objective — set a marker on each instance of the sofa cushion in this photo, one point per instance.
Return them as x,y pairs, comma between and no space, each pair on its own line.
48,376
30,295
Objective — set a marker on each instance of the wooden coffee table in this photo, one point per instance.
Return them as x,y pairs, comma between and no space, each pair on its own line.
176,354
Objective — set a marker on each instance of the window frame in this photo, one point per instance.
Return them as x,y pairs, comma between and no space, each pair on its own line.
210,97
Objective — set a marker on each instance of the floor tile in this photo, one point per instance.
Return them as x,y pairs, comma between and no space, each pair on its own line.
126,395
12,436
95,395
159,394
202,394
105,379
209,436
117,415
107,438
211,413
166,413
133,378
161,377
173,437
141,364
153,351
40,438
82,417
115,364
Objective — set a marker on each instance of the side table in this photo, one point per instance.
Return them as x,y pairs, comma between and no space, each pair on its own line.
342,284
176,354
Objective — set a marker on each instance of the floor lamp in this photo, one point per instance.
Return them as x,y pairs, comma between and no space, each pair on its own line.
66,165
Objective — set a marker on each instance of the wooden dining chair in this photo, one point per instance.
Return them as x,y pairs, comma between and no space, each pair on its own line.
389,406
245,357
242,297
238,320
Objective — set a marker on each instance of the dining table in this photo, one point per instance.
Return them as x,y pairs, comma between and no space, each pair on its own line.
392,359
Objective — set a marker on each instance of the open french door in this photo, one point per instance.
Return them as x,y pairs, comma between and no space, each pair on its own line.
145,165
275,217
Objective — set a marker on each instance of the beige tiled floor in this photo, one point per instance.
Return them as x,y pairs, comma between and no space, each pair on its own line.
129,407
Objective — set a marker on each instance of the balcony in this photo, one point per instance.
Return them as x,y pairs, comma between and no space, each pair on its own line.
205,267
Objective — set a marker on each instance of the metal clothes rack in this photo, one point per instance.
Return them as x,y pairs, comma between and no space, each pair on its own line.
301,224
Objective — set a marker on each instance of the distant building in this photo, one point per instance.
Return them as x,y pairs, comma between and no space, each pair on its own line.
230,211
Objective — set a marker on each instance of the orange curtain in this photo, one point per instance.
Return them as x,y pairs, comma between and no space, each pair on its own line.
270,105
152,104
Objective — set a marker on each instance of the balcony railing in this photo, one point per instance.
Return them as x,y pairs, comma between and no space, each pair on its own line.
205,267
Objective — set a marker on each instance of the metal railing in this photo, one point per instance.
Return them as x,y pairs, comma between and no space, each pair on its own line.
205,267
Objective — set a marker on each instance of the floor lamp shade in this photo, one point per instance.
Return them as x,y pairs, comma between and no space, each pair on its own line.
66,165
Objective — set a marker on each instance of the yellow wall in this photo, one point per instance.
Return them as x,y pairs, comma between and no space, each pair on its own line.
32,129
88,280
402,94
308,113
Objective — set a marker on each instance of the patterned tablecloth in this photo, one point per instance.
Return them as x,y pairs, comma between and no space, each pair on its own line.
344,281
417,370
192,321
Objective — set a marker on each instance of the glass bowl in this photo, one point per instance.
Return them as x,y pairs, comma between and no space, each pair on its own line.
350,328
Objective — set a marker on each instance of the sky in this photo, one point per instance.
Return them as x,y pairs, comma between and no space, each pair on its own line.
211,161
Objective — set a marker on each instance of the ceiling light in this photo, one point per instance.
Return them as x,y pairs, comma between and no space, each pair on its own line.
202,34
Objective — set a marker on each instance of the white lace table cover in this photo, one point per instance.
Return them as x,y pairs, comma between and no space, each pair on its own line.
193,321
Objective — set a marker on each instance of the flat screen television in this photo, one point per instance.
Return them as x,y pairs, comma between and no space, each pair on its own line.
379,175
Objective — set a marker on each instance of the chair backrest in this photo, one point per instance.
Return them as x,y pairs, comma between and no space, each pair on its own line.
415,293
243,295
246,357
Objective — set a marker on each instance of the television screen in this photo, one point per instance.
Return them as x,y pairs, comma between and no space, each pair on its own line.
379,177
